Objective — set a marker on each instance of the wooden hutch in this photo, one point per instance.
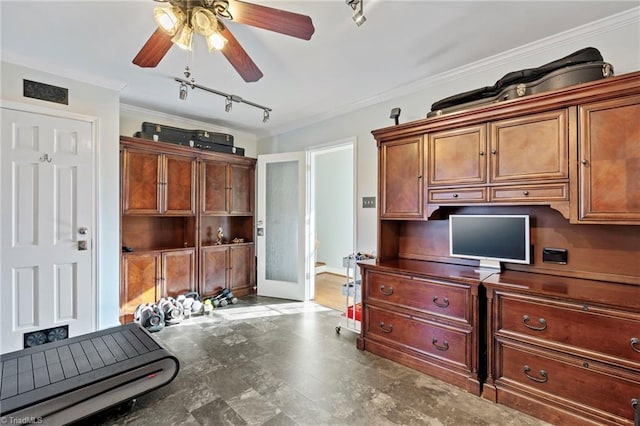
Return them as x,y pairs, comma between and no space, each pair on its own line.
173,200
558,341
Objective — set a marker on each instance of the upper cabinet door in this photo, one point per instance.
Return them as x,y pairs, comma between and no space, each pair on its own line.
141,177
155,183
214,187
178,186
401,181
609,162
458,156
529,148
241,189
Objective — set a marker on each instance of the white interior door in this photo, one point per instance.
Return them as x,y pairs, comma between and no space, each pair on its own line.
46,253
282,226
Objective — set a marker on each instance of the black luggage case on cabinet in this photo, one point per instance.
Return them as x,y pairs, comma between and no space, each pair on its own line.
205,136
216,147
162,133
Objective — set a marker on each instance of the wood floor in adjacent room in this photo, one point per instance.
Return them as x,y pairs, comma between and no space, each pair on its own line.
329,291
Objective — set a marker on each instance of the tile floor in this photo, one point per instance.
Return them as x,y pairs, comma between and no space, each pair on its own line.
273,362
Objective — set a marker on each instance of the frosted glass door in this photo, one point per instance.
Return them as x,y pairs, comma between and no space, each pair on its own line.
281,226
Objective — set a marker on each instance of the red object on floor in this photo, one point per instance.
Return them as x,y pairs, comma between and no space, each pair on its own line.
349,313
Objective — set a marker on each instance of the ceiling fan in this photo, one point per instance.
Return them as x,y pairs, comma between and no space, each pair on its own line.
178,20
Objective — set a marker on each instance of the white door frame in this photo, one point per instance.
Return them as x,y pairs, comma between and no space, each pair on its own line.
95,209
311,196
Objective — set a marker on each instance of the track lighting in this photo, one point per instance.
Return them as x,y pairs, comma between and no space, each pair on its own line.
358,14
229,99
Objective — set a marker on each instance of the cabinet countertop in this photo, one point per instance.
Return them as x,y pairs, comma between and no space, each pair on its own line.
435,270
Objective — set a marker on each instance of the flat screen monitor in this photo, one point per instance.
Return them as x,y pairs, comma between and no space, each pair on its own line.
490,238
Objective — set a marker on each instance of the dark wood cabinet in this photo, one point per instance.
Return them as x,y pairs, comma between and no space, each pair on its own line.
530,148
227,189
401,180
457,156
556,343
146,277
154,183
139,283
557,340
227,266
518,152
172,240
415,316
609,161
178,272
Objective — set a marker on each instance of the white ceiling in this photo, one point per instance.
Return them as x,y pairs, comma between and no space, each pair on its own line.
339,68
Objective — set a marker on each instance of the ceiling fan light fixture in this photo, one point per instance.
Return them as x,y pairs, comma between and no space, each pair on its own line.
204,21
216,41
183,38
169,19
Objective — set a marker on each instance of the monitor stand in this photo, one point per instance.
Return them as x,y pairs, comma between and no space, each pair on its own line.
488,265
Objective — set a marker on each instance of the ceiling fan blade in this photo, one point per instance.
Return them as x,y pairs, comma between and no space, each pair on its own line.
268,18
153,50
240,60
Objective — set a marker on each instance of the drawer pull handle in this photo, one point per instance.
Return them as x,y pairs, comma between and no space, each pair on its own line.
444,304
443,347
388,329
542,321
542,373
386,293
635,344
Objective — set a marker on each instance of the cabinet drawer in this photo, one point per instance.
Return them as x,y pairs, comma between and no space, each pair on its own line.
446,343
557,192
469,195
607,334
442,299
588,387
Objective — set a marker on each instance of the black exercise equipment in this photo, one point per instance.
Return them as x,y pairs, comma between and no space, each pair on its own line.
68,380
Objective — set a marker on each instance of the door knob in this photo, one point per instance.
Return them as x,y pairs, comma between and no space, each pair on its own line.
83,231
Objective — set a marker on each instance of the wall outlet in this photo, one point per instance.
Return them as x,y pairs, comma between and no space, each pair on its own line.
368,202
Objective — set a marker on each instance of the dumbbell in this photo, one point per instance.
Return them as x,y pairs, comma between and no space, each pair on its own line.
220,299
191,302
172,310
150,316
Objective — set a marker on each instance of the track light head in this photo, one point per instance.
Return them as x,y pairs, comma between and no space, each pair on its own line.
358,14
227,104
265,116
183,91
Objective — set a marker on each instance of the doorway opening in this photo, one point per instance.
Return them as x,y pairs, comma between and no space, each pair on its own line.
332,219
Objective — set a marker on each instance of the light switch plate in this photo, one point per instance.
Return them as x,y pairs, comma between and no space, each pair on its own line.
368,202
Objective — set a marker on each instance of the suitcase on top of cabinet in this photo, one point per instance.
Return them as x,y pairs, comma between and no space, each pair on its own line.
579,67
206,136
162,133
216,147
